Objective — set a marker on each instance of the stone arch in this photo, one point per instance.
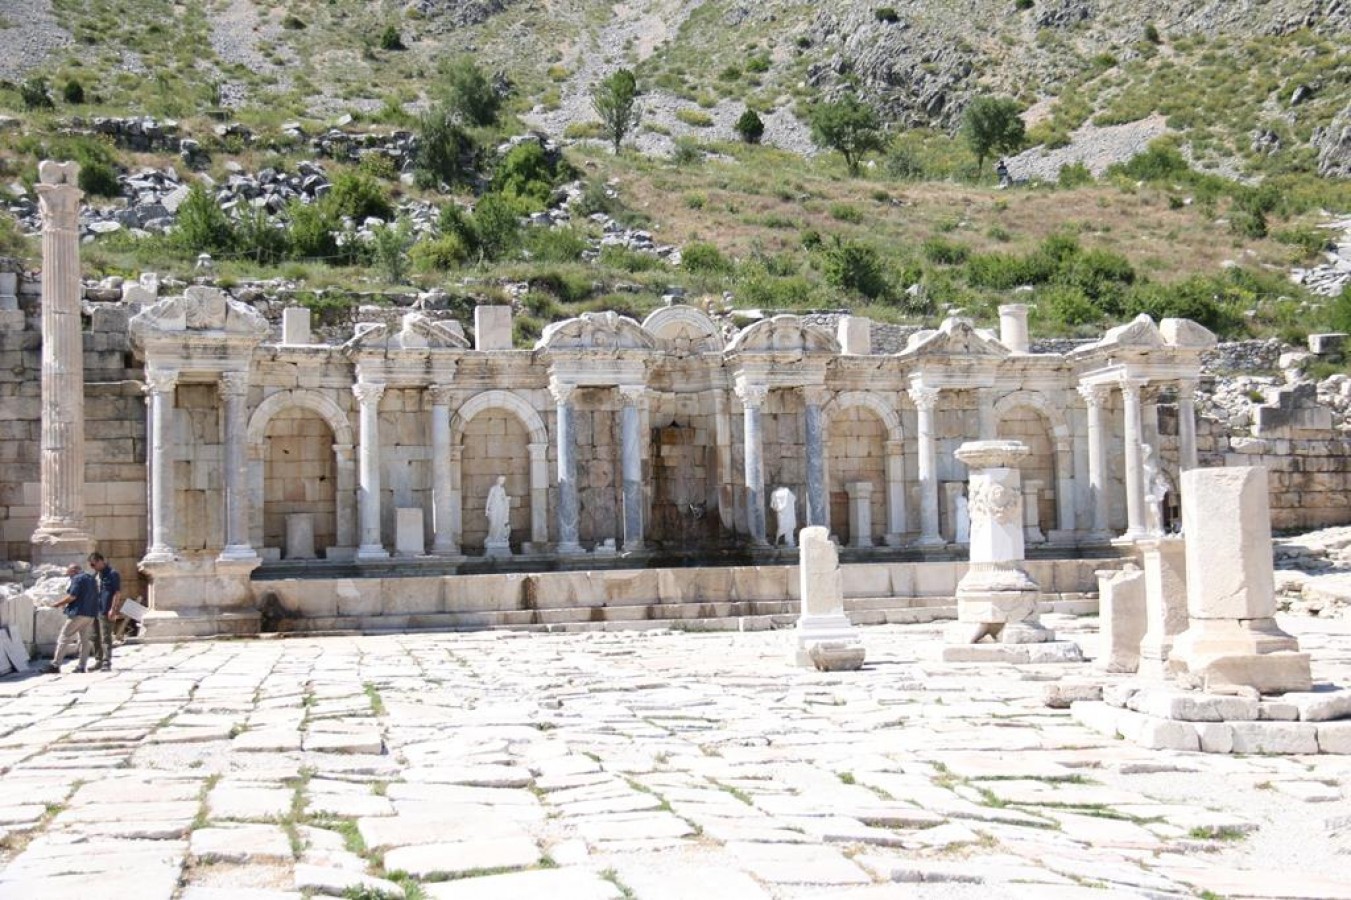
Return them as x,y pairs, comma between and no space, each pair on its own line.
686,328
344,467
1058,433
888,500
529,472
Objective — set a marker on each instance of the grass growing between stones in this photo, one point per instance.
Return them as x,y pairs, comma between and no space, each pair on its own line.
612,876
373,694
203,812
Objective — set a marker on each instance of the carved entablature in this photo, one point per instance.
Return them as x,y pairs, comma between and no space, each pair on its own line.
684,330
596,331
783,334
955,337
417,331
202,329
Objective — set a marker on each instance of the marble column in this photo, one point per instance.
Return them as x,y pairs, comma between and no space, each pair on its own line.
926,400
860,513
368,475
62,533
1186,425
818,505
986,424
1096,398
1135,480
631,467
234,392
1032,533
539,497
895,493
569,509
347,519
753,397
159,386
443,507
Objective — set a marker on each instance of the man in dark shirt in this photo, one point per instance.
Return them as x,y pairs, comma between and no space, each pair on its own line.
81,604
110,606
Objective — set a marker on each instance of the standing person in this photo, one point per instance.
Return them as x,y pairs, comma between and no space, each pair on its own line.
110,606
81,604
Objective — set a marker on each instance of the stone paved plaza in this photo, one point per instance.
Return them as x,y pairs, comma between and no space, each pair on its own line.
643,764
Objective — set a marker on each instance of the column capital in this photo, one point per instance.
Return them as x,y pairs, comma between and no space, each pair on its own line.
160,381
233,384
440,394
815,394
1132,388
924,398
1095,395
60,205
368,392
561,391
633,394
751,395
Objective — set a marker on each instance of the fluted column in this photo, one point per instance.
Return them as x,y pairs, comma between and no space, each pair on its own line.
631,468
1186,425
159,386
926,401
62,533
443,509
895,493
753,397
569,508
1096,398
234,392
368,471
1135,481
818,507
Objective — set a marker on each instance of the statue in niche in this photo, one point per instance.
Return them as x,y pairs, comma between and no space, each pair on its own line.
963,525
1156,489
784,503
498,510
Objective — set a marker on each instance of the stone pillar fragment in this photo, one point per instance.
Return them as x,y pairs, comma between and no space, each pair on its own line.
1121,613
1186,425
1231,637
159,386
368,473
825,638
234,391
753,397
860,513
818,509
631,467
926,400
1032,533
1165,603
295,326
1013,327
895,493
1134,461
1096,398
62,534
569,510
443,499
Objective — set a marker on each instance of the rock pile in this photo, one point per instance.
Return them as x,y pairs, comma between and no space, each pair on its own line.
1331,277
1313,573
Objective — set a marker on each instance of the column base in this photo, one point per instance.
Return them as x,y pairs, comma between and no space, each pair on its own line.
828,629
894,540
158,556
237,554
61,546
448,550
570,548
633,548
1131,537
373,552
933,541
496,550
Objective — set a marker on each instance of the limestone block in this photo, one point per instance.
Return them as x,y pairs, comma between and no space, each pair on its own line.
1121,599
1168,703
300,536
1321,706
1216,737
409,538
822,591
855,335
1334,737
1164,734
1225,514
295,325
1274,737
1165,566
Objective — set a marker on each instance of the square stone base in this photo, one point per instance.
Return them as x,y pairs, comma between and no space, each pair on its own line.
1253,653
1015,654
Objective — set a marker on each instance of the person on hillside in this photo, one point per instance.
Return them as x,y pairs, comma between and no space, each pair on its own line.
1001,169
81,605
110,607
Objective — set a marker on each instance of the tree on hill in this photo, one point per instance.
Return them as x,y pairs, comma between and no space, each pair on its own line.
993,125
849,126
750,126
470,94
615,101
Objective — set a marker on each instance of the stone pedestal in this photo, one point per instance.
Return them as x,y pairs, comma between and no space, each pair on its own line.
1032,533
11,317
860,513
855,335
1013,327
492,328
300,536
1165,603
1231,637
823,626
1121,614
408,533
996,598
295,325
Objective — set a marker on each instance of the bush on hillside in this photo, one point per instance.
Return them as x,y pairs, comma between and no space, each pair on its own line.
856,267
359,197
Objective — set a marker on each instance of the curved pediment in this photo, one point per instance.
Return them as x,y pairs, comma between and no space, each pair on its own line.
783,333
1187,335
955,337
684,329
596,331
417,331
199,309
1139,332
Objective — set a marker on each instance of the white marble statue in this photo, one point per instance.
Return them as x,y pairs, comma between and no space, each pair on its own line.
963,529
1156,489
784,503
499,513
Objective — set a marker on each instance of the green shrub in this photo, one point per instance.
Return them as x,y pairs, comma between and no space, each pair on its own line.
757,286
700,256
750,127
445,151
570,287
844,212
1307,240
1073,175
758,64
554,244
201,225
1198,298
73,92
1161,161
358,196
389,249
944,252
1098,273
497,225
1152,34
378,164
853,266
1067,305
293,22
525,175
469,94
616,256
694,117
886,14
35,93
390,39
311,231
259,239
997,271
1022,5
687,152
439,254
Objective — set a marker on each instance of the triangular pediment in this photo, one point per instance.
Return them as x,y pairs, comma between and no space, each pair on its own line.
417,331
199,309
955,337
596,331
784,333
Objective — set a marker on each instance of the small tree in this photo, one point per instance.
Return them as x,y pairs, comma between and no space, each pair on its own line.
993,125
750,127
469,94
35,93
390,39
849,126
389,249
73,92
615,100
202,226
441,150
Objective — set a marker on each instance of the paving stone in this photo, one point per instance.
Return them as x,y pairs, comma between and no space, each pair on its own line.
195,892
1308,791
1321,706
446,826
241,843
796,864
697,879
1275,737
642,826
456,858
235,800
475,776
336,882
543,884
1334,737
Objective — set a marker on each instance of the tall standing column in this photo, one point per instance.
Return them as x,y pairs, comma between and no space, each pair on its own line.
368,472
753,397
443,542
895,493
569,510
1186,425
631,465
1096,398
1135,481
986,423
926,401
159,386
62,534
818,509
234,391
